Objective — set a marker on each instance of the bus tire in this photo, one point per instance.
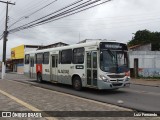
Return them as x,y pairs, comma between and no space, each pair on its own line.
39,77
77,84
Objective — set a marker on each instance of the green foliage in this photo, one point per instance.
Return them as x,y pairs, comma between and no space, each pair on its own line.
144,37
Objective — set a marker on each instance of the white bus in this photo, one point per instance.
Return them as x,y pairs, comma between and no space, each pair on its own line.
96,64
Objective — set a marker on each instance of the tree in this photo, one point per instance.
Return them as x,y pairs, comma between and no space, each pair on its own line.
144,37
141,37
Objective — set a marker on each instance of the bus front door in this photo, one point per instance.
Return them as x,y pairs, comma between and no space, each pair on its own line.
31,67
91,68
54,70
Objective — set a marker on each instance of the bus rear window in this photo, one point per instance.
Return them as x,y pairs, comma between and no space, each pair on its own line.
39,58
27,59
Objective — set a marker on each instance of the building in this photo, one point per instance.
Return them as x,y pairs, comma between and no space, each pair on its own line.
17,56
145,60
145,47
59,44
140,47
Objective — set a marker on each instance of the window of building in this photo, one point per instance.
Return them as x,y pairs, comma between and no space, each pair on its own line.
78,56
27,59
39,58
66,56
46,58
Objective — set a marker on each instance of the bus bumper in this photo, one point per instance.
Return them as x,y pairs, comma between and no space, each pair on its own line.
113,85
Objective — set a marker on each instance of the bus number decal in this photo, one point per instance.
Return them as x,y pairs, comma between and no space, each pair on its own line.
79,67
63,71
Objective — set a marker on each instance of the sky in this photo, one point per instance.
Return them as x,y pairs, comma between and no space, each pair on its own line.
116,20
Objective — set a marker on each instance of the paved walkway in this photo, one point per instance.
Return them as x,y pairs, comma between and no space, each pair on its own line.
24,97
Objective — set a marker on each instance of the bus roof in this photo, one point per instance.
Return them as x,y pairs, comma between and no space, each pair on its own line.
87,44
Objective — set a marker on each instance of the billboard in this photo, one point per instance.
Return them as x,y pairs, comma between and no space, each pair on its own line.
17,52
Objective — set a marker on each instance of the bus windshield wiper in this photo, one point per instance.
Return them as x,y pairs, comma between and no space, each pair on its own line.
110,52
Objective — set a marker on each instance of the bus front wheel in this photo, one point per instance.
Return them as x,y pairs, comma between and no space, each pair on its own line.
77,84
39,77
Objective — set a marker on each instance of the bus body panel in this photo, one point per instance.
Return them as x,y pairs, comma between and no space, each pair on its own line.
46,72
89,71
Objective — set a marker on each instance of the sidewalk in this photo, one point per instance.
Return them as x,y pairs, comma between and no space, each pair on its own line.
146,82
15,76
39,99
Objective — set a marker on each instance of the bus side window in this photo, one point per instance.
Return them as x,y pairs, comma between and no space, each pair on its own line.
32,62
27,59
78,56
94,59
89,60
35,58
46,58
59,57
39,58
53,61
66,56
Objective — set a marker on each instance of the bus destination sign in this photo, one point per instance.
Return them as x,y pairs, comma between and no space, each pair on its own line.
115,46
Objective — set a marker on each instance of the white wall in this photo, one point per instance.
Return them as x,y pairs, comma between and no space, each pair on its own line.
148,62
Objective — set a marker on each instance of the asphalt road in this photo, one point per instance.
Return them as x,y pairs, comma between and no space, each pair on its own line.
137,97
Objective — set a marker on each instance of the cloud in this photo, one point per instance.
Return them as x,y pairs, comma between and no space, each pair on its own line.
116,20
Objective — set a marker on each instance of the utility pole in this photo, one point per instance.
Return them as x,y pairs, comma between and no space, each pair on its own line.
5,38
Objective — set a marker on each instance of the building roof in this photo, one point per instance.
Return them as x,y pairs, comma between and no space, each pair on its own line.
135,46
58,44
33,46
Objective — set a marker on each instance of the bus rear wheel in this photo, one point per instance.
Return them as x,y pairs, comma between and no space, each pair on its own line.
77,84
39,77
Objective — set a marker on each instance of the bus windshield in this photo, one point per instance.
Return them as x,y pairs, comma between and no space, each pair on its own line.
114,61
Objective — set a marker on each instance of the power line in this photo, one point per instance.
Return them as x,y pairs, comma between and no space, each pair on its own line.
12,6
30,6
28,9
61,15
27,16
42,8
51,13
2,13
1,36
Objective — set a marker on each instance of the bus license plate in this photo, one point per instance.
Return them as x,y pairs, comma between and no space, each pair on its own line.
127,85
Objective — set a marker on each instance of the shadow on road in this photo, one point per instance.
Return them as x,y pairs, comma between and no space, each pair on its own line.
68,88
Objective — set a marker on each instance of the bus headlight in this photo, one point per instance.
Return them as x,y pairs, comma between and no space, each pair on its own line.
127,78
104,78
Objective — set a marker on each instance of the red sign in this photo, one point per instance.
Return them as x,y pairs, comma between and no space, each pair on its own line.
38,68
